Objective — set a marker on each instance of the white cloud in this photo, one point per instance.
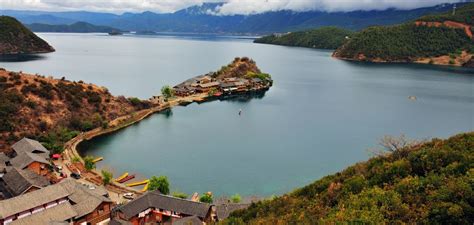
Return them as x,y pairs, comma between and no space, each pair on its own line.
230,7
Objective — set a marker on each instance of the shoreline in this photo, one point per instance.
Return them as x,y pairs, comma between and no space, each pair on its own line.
70,147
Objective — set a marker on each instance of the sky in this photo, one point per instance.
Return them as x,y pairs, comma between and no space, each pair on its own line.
230,7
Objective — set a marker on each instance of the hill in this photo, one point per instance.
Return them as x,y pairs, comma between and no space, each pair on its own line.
17,39
436,39
322,38
78,27
197,19
420,183
55,110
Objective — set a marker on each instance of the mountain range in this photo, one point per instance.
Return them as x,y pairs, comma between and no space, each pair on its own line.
203,19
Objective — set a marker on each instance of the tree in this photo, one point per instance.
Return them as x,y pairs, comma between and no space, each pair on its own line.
159,183
178,194
89,163
106,176
167,91
236,198
206,198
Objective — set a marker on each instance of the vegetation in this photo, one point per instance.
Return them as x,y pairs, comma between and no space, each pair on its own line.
235,198
463,15
414,183
159,183
16,38
206,198
261,76
322,38
178,194
107,176
408,42
89,163
78,27
167,92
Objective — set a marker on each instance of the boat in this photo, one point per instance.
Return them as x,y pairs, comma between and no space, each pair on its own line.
121,177
98,159
115,33
138,183
127,178
146,187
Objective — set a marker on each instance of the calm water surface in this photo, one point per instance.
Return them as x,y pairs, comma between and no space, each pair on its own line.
321,115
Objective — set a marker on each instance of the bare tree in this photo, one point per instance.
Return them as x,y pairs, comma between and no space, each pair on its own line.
398,146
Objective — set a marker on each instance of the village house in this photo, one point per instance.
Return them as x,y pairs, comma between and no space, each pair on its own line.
67,201
17,182
27,145
202,88
31,161
154,207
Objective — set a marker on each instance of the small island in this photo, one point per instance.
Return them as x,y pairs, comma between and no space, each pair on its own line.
242,76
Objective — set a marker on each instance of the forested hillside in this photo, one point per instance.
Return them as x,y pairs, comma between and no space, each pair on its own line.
322,38
55,110
435,39
415,183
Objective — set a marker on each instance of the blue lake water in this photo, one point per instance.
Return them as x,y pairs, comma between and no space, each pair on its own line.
321,115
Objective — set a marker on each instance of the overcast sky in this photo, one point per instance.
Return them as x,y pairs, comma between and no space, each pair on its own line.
230,7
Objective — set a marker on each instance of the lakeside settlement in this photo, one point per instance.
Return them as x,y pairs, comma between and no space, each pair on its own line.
38,186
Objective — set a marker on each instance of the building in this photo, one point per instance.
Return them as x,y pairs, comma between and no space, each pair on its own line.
154,207
67,201
34,162
27,145
17,182
202,88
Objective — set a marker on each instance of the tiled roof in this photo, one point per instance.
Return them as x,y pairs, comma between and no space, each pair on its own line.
24,159
29,145
165,202
61,212
18,181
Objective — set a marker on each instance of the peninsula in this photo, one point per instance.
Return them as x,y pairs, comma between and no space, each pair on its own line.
441,39
17,39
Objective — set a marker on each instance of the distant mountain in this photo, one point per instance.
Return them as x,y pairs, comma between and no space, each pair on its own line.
78,27
202,19
17,39
321,38
443,39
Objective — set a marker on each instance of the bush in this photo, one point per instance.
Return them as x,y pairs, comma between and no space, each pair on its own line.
106,176
206,198
159,183
236,198
180,195
89,163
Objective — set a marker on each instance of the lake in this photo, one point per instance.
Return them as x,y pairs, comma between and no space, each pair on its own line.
321,115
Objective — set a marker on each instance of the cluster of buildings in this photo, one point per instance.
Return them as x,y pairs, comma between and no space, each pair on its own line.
230,85
29,197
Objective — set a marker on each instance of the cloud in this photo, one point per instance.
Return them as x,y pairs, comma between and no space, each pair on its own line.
230,7
259,6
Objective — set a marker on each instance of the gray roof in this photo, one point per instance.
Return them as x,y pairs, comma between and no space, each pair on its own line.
31,200
159,201
24,159
82,199
210,84
119,222
4,158
224,210
18,181
53,215
190,220
227,85
29,145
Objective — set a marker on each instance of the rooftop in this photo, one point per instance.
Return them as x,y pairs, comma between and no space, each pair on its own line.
29,145
18,181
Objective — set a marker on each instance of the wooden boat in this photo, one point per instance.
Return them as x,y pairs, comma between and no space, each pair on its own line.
98,159
127,178
146,187
122,177
137,183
